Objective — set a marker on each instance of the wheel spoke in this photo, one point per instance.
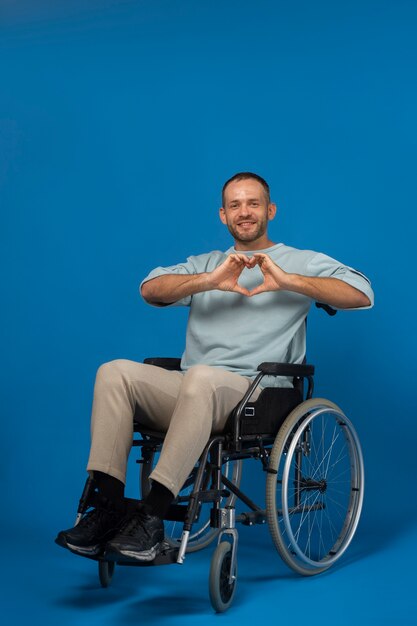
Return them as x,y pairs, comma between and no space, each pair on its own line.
320,487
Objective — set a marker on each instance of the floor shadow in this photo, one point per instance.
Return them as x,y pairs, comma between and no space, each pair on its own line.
92,597
164,607
90,594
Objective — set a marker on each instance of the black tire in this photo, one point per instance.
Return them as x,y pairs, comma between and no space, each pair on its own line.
105,572
314,488
221,590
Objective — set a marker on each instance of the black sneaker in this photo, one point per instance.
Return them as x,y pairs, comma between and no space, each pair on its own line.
93,531
139,538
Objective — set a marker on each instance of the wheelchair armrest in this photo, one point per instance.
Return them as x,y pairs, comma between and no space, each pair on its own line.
329,310
168,363
286,369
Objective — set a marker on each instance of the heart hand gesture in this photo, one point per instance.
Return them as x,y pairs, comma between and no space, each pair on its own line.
275,279
226,276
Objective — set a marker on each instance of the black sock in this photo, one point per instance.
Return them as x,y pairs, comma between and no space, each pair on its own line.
110,488
158,499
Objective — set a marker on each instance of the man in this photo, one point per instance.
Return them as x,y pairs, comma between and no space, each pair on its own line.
247,305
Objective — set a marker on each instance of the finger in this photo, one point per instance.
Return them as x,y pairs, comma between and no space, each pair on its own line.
261,258
238,259
251,262
243,258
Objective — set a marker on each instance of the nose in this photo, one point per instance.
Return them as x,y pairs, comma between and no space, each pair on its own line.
244,211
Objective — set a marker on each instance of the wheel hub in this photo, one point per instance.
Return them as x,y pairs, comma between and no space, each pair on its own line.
308,484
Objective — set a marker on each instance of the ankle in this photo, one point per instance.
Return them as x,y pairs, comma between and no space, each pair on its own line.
158,500
109,486
99,502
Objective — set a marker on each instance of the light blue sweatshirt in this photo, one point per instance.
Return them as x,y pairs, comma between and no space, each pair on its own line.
237,332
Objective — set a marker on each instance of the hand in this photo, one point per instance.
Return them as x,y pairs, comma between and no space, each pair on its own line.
226,276
275,279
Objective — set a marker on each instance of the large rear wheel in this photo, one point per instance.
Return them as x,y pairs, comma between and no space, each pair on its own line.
315,486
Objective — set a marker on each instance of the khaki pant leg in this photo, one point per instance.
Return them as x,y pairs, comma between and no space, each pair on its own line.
120,387
206,398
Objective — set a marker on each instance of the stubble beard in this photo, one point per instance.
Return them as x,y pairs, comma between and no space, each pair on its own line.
248,237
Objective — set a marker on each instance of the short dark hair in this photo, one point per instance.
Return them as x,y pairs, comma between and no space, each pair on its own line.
245,176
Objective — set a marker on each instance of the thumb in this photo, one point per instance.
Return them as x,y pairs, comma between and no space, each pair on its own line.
258,289
242,290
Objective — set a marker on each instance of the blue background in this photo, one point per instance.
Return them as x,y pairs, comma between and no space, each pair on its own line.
119,122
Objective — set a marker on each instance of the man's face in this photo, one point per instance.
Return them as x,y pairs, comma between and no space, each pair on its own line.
246,211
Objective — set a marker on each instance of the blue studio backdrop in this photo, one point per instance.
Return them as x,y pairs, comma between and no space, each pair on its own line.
119,123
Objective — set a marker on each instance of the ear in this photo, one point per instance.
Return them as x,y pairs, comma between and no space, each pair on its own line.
222,215
272,210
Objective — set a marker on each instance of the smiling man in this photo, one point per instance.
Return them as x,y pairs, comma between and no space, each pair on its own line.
247,305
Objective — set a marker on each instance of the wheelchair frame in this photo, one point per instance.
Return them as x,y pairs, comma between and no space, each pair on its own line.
314,468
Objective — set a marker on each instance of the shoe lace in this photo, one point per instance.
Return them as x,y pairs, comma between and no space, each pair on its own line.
91,518
132,524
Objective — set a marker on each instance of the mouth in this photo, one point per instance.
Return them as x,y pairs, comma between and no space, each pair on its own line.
246,224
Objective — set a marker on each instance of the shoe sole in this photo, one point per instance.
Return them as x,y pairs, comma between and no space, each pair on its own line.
81,550
116,554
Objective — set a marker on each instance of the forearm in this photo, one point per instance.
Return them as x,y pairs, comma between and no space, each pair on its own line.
173,287
332,291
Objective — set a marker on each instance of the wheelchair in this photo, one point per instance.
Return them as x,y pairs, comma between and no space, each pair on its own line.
312,459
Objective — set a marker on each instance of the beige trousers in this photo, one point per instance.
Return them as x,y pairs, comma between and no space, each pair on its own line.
187,406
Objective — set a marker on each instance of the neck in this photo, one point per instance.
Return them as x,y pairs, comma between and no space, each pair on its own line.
259,244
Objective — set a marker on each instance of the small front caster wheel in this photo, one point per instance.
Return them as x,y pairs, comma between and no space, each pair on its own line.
105,572
221,587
